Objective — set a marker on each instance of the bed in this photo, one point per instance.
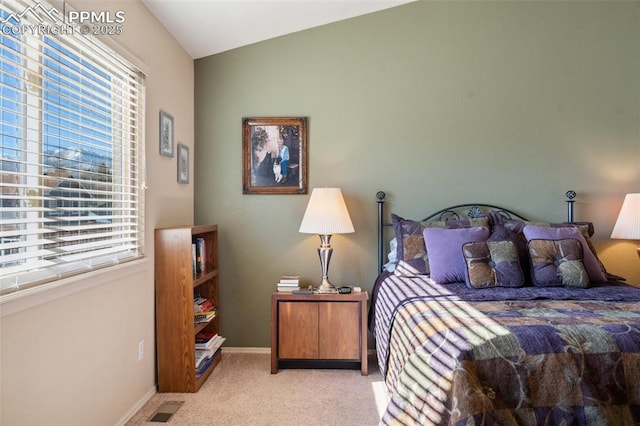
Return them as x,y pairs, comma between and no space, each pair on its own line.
518,324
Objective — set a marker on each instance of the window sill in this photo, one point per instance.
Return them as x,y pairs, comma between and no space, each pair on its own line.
27,299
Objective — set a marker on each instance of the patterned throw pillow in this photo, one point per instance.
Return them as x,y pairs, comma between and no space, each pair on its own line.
513,229
411,250
591,263
557,263
492,264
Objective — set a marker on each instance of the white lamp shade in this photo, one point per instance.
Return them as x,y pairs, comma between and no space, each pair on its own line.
326,213
627,226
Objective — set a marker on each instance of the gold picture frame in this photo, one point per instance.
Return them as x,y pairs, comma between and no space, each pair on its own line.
274,155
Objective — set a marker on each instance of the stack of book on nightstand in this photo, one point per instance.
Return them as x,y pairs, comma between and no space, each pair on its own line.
288,283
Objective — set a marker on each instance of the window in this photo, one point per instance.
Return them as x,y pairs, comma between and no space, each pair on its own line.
71,151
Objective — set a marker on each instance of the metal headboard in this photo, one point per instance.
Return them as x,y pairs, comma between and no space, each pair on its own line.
472,210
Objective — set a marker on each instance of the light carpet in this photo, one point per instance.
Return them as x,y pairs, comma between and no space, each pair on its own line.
242,391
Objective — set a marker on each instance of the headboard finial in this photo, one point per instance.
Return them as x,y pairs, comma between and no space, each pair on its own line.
571,195
380,200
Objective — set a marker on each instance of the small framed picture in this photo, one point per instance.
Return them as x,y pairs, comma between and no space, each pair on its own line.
274,155
166,134
183,163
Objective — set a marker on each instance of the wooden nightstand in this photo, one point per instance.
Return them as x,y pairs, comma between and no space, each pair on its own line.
319,330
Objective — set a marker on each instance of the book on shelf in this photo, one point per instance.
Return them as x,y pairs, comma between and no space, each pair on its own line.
203,310
204,337
204,357
193,258
201,317
200,244
203,366
201,356
202,304
198,254
205,306
206,340
211,345
197,299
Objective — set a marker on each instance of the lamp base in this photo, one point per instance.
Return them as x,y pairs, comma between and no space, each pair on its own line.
326,287
324,252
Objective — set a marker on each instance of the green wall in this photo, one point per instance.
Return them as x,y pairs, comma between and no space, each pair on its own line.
437,103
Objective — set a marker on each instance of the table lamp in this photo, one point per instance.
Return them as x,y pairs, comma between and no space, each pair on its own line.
627,226
326,215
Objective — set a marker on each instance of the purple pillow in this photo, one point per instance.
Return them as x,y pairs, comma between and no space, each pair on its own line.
411,255
591,264
444,249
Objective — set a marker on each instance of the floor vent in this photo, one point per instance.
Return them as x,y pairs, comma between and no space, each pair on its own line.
165,411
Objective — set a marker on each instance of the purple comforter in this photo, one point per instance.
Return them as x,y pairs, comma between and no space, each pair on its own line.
454,355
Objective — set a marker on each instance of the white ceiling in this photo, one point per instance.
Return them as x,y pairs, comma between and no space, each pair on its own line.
206,27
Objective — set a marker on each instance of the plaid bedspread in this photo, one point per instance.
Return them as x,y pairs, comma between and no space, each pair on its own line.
453,356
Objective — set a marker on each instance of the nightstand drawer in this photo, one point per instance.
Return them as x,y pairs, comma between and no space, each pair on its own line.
298,330
340,330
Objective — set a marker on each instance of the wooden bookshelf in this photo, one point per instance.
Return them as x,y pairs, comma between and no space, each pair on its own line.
176,286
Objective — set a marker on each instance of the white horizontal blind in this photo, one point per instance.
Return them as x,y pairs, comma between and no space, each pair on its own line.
72,151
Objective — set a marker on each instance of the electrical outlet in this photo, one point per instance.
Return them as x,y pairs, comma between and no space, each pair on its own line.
140,350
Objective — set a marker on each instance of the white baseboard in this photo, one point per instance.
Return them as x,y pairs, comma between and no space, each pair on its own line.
133,410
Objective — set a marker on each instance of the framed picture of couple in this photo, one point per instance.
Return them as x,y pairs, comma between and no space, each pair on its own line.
274,155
